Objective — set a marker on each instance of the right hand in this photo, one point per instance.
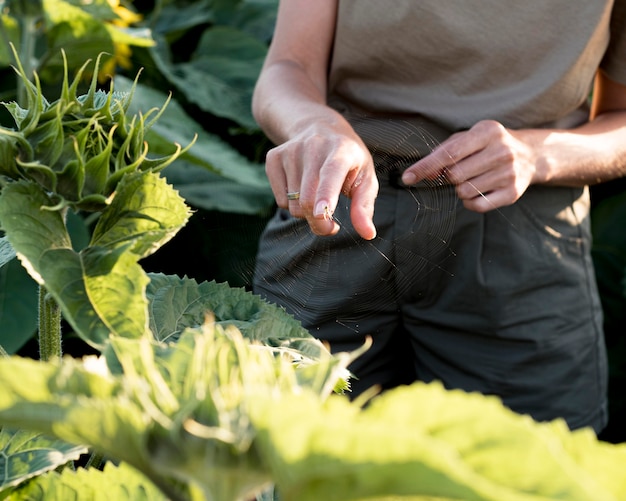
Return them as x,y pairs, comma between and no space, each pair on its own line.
321,162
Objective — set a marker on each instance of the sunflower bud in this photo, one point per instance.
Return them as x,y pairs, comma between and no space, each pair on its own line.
78,147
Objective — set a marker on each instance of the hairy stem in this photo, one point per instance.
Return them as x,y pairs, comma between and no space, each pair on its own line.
49,326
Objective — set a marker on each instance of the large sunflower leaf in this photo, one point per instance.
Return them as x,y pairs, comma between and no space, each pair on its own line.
256,17
76,281
101,290
145,213
221,75
179,303
176,412
78,402
26,454
422,441
507,449
31,230
119,483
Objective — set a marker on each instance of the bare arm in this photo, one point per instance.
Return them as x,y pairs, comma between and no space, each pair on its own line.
317,153
601,142
493,166
292,85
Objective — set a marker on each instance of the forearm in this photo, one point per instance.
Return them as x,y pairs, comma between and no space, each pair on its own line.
590,154
287,101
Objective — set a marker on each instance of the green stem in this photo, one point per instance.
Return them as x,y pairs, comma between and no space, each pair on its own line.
27,54
49,326
96,460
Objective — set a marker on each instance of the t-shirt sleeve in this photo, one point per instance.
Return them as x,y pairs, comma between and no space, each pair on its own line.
614,61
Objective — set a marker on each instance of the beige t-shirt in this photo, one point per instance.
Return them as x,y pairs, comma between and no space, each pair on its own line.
455,62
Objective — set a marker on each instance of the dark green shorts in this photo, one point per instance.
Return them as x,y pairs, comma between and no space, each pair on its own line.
503,303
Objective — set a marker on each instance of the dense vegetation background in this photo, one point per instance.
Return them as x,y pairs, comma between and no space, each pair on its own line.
208,54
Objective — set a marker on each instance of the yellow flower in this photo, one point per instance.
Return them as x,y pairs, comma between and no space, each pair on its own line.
125,16
122,51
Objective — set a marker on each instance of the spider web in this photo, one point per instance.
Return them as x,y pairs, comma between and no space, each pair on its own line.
300,271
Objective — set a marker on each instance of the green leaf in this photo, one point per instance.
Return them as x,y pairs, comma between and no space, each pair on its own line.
420,441
145,213
256,17
220,77
18,306
30,230
175,19
119,483
7,253
602,461
212,174
74,30
176,411
179,303
100,290
505,449
74,403
208,190
25,454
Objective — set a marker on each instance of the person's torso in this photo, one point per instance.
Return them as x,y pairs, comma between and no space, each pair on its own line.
453,63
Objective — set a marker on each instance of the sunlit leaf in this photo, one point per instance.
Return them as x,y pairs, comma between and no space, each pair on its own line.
119,483
176,412
422,441
178,303
145,213
101,289
25,454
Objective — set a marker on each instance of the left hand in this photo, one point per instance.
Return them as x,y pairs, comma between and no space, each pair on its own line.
491,166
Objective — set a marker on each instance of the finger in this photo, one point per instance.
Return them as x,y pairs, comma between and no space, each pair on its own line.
332,177
277,177
284,173
446,156
323,226
320,195
485,202
363,194
432,166
487,192
311,174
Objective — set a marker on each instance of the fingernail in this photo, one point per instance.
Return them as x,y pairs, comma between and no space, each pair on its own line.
409,178
322,209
